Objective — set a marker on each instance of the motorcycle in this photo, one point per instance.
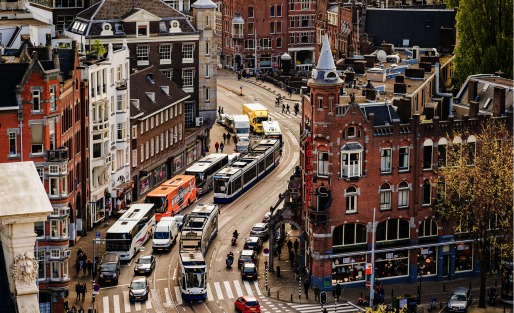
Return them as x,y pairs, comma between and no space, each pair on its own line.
492,296
432,304
230,260
234,239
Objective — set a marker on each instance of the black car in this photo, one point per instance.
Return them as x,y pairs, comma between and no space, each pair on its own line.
139,289
109,269
253,243
249,271
247,256
144,265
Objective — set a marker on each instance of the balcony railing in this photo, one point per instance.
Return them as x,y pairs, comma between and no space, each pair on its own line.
60,155
318,217
121,85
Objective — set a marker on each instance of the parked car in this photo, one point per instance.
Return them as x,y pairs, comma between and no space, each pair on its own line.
249,271
109,269
260,230
266,217
253,243
180,220
247,304
139,289
247,256
144,265
459,300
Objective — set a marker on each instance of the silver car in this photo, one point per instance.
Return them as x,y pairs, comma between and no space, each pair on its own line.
139,289
460,300
260,230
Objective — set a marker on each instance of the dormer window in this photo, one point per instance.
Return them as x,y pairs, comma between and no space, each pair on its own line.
142,29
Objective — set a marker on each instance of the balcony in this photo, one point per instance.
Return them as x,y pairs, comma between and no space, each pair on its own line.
318,217
121,85
60,155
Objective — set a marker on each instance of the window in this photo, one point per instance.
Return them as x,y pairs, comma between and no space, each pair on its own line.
471,142
134,157
54,228
36,100
403,195
403,162
207,94
351,132
36,131
121,133
291,5
65,269
142,153
426,193
427,154
165,53
250,11
41,172
250,29
142,30
151,147
55,269
55,253
441,152
166,138
351,199
176,133
428,228
351,156
180,132
207,72
207,48
168,73
393,229
187,77
52,98
120,103
385,197
385,160
305,4
323,164
147,150
272,11
187,53
142,54
349,234
157,145
279,42
457,151
39,229
41,264
279,10
13,143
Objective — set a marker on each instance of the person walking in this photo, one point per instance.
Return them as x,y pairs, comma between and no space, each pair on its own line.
89,265
296,245
317,291
217,146
78,290
279,250
222,145
283,108
77,266
84,267
224,137
289,245
306,286
84,290
289,91
338,291
81,310
287,109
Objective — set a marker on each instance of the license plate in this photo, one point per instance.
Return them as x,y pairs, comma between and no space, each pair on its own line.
107,280
138,297
141,271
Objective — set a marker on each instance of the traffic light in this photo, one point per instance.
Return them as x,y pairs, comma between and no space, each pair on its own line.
323,297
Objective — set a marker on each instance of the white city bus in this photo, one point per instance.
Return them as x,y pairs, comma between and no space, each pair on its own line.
204,170
131,231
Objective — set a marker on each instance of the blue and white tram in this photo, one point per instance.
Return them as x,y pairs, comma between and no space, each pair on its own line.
193,280
234,180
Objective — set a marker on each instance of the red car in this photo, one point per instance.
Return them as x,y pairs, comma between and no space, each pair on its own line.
247,304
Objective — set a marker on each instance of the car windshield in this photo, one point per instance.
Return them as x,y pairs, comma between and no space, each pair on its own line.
258,229
252,303
249,269
161,235
459,297
246,257
108,267
144,261
136,285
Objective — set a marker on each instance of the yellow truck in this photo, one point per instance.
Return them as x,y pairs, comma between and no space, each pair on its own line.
257,113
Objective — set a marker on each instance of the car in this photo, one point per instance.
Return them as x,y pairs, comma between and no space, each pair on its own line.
249,271
260,230
144,265
180,220
459,300
247,256
253,243
139,289
109,269
247,304
266,217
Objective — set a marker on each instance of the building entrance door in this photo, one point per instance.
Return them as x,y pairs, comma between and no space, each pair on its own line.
446,265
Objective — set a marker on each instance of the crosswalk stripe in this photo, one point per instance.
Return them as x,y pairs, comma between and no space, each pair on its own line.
126,301
116,303
248,288
106,304
178,294
218,290
238,288
148,303
311,308
138,306
256,285
209,293
228,290
168,296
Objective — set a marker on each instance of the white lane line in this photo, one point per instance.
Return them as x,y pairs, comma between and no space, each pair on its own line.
239,292
148,303
217,286
168,296
230,295
256,285
126,301
116,303
290,165
248,288
174,274
178,295
209,293
138,306
106,304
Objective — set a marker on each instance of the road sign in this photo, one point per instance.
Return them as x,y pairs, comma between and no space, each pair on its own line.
97,235
368,284
368,268
266,251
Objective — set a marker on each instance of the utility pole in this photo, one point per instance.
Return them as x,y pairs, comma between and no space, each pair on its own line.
372,282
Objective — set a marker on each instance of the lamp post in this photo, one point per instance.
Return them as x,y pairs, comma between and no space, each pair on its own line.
420,274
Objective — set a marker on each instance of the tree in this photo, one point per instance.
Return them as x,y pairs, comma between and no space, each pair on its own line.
99,48
474,187
484,38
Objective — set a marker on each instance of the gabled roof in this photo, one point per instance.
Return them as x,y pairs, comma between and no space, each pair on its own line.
485,92
11,75
116,10
384,113
140,85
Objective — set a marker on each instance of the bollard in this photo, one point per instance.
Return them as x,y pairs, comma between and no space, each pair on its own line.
269,292
291,297
300,288
361,294
278,270
444,287
392,293
278,294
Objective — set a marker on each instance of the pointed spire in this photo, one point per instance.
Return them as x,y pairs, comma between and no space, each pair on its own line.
326,60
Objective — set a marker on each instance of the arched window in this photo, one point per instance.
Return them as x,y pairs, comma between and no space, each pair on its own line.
471,147
428,228
427,154
441,152
349,234
441,190
323,163
427,191
351,195
393,229
403,195
385,197
457,150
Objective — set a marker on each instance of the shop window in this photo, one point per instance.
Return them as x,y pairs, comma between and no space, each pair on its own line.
393,229
427,260
464,257
348,269
392,264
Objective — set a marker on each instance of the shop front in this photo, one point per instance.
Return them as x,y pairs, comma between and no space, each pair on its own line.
178,163
191,155
97,208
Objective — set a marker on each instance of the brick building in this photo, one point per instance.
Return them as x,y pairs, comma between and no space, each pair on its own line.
362,158
42,113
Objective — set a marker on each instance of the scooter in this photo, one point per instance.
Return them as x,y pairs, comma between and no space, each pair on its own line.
432,304
234,239
230,260
492,296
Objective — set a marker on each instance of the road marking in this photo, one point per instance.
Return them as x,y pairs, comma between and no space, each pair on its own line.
248,288
238,288
148,303
126,301
168,296
174,274
138,306
228,289
217,286
178,294
116,303
290,165
256,284
106,304
209,293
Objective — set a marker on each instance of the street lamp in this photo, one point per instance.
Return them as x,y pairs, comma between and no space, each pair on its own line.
420,274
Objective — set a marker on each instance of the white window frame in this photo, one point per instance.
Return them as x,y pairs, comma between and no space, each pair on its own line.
40,257
134,157
143,55
13,137
44,226
351,198
36,100
58,224
404,158
403,195
323,163
351,166
385,197
188,52
55,253
145,26
55,265
165,51
53,104
386,160
188,76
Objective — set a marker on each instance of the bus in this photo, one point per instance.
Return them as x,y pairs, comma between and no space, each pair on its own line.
272,131
131,231
199,228
172,196
234,180
204,168
193,276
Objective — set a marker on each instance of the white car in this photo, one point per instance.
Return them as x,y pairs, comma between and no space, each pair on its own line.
260,230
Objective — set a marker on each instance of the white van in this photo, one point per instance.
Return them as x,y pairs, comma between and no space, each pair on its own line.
165,234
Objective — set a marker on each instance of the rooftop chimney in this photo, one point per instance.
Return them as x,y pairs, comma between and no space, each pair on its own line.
473,109
499,101
472,90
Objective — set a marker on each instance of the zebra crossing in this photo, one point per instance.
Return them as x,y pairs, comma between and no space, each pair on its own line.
115,304
340,308
283,116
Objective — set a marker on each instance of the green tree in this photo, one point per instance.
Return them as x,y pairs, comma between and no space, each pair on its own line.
484,38
474,187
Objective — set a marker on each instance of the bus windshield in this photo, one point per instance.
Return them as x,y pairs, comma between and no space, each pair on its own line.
118,242
198,177
158,203
161,235
194,278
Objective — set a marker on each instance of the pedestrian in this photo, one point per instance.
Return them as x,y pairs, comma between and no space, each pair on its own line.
219,110
338,291
89,265
78,290
81,310
84,290
72,310
317,291
217,146
283,108
325,310
287,109
296,245
222,145
289,245
84,267
79,252
279,250
306,286
291,256
224,137
222,110
289,91
77,266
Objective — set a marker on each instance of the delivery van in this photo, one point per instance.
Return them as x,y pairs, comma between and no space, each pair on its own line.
165,234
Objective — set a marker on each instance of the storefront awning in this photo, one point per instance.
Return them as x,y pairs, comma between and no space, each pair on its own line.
125,187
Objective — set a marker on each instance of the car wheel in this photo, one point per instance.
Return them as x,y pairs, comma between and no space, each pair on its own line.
235,308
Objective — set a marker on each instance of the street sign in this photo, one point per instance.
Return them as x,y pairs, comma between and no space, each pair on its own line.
97,235
266,251
368,284
368,269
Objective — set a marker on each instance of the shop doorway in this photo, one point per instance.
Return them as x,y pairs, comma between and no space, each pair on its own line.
446,265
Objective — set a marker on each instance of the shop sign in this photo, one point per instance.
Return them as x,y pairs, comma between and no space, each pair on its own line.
308,169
